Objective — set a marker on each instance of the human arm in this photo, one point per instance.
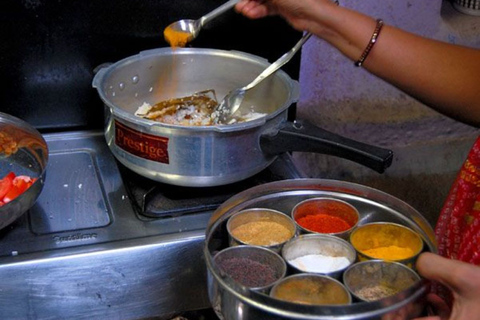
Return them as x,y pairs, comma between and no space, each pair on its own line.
443,76
462,278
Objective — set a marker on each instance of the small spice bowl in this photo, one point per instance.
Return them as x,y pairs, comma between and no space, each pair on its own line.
326,216
387,241
260,227
319,253
377,279
254,267
311,289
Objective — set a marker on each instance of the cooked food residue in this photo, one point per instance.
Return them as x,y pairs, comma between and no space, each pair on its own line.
8,145
195,110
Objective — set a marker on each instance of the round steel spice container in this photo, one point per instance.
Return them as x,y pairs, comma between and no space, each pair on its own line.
260,227
319,253
251,266
387,241
311,289
326,216
232,300
376,279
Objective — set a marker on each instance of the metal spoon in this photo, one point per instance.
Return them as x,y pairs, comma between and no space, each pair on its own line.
193,27
234,98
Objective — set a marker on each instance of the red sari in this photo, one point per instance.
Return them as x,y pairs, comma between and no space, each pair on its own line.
458,226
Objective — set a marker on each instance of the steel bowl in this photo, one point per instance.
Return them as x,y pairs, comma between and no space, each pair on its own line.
27,154
260,260
373,280
386,234
319,244
236,302
311,289
258,215
329,206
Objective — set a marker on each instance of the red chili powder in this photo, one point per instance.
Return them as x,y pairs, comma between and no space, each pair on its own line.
323,223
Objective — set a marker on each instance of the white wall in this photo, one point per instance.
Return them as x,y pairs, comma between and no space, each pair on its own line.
429,148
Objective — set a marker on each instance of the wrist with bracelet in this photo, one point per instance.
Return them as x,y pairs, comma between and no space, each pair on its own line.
371,43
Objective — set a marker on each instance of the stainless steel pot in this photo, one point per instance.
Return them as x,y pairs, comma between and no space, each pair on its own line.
234,302
209,155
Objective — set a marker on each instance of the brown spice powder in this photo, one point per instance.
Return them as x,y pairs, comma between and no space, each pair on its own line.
376,292
262,233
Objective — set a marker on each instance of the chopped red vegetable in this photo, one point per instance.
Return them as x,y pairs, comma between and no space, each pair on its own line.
11,186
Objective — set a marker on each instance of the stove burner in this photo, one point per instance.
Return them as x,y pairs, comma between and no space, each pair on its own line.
158,200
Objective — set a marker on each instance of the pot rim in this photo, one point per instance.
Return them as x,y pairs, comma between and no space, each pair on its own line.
104,70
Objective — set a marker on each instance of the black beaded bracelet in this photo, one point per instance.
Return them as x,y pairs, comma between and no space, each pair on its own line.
370,45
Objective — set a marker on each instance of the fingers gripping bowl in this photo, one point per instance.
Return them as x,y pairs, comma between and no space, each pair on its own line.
24,153
233,301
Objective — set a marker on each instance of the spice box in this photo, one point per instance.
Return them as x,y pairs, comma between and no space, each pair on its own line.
373,206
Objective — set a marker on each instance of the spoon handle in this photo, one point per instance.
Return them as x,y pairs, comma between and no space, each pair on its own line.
218,11
279,63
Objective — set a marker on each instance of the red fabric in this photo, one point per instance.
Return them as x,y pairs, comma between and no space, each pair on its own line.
458,227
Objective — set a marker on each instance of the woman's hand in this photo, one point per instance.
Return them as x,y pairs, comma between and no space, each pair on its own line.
302,15
461,278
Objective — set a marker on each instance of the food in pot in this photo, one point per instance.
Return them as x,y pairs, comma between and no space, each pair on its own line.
12,186
195,110
8,145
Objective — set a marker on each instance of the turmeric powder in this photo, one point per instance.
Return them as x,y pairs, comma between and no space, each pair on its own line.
176,38
390,253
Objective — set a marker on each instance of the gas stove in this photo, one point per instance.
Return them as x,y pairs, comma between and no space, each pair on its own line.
104,242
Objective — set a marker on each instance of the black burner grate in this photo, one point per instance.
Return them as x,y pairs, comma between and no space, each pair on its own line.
155,200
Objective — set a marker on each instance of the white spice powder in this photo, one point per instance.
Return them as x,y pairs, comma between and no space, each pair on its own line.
320,263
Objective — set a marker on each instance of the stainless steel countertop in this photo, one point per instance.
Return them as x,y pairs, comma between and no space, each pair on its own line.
83,252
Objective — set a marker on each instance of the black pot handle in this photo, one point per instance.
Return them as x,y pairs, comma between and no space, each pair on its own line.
304,136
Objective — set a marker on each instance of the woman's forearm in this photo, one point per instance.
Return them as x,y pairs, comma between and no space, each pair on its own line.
443,76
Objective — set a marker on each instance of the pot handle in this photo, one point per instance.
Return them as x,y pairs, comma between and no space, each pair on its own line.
306,137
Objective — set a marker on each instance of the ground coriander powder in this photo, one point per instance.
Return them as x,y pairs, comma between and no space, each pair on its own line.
262,233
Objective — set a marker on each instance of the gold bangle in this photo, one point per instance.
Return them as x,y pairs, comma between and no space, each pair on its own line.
370,45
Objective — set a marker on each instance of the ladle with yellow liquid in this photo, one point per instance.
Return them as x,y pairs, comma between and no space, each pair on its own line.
179,33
